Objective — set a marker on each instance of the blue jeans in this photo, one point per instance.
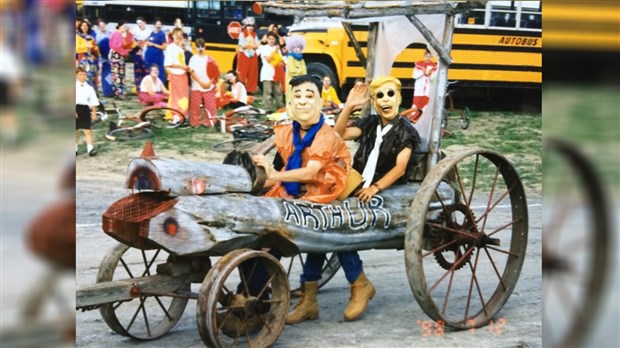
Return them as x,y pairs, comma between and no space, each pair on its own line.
349,260
256,275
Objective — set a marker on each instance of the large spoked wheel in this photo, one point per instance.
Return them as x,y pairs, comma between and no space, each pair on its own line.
145,317
466,238
235,309
294,266
465,118
128,134
237,144
576,245
162,117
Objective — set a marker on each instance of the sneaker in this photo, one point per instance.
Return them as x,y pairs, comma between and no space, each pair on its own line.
92,153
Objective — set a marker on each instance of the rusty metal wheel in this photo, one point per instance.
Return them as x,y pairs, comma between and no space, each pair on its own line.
230,314
576,245
145,317
294,266
484,226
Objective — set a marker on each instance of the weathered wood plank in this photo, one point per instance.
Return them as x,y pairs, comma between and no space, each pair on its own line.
120,290
356,44
444,52
355,9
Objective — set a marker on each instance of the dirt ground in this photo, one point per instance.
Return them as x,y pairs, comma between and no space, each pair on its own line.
393,316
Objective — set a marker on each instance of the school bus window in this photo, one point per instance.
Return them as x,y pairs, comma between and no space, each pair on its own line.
531,21
503,19
208,8
474,17
234,12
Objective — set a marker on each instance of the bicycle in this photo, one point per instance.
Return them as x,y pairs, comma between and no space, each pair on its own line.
464,113
247,129
152,116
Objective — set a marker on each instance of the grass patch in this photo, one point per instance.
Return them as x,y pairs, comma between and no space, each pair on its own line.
516,136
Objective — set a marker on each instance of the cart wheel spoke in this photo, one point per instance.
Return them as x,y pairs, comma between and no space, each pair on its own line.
147,270
126,268
459,196
163,308
252,319
135,315
121,316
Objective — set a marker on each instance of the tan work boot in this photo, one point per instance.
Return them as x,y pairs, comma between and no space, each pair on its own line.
362,291
307,308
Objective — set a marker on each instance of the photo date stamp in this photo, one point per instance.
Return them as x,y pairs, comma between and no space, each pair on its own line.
437,328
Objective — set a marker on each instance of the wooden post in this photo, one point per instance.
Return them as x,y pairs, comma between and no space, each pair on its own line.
440,94
373,31
356,44
428,35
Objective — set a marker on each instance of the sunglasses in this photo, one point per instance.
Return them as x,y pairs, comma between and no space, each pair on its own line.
390,93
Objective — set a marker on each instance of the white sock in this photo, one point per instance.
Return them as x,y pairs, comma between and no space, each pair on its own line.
76,147
89,147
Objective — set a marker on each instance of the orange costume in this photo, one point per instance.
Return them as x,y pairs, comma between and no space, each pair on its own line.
327,148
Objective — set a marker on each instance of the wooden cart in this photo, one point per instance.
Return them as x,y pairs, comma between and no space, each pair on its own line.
463,225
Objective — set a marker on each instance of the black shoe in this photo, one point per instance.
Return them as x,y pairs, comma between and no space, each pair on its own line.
92,153
112,126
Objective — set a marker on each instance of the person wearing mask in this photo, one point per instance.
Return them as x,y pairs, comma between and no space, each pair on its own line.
315,165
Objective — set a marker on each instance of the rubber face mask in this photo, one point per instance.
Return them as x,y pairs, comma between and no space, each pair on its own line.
305,105
386,101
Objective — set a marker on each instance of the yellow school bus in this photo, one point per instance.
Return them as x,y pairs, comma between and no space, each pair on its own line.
497,53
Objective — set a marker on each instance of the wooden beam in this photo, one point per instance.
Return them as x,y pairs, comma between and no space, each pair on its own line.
371,47
373,31
430,37
121,290
356,44
354,10
440,95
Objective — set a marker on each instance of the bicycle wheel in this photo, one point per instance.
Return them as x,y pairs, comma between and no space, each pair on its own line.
246,111
237,144
294,267
156,115
125,134
465,118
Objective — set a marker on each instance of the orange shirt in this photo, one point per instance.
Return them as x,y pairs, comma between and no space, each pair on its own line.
329,149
